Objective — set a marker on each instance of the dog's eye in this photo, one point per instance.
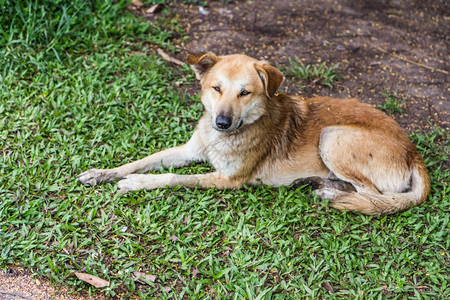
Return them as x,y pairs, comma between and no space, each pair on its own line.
244,93
216,88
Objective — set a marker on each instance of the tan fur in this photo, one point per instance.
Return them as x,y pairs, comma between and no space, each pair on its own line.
251,134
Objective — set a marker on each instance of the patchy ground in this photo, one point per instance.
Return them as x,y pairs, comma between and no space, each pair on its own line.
393,46
16,283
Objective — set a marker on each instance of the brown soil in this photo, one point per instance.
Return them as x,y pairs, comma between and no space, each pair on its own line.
394,46
16,283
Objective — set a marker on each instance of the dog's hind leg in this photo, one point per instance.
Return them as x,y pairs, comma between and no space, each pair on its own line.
370,160
172,157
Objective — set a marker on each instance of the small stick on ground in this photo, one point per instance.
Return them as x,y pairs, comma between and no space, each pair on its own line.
412,62
169,58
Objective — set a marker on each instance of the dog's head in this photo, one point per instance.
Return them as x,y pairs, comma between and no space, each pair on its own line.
235,88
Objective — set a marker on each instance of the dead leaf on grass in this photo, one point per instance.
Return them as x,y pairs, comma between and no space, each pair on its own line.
139,275
187,219
173,238
137,3
91,279
138,53
155,9
328,286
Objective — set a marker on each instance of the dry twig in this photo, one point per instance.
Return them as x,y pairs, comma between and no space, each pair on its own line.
412,62
169,58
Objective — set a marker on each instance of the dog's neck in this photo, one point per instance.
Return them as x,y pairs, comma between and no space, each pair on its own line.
284,116
286,111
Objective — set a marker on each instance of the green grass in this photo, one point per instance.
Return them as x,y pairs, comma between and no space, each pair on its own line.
74,106
321,74
37,34
393,103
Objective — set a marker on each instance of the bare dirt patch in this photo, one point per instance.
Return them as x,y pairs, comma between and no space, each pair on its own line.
17,283
381,46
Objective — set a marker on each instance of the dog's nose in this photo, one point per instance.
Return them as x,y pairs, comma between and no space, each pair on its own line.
223,122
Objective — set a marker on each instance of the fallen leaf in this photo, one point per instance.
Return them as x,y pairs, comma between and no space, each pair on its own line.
137,3
70,247
194,272
155,9
91,279
139,275
173,238
138,53
187,219
203,11
328,286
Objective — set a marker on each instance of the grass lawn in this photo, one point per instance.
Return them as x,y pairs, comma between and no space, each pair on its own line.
77,91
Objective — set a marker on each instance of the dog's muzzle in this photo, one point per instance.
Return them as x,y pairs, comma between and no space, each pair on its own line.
223,122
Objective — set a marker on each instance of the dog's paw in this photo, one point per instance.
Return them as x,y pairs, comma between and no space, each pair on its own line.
95,176
327,193
132,182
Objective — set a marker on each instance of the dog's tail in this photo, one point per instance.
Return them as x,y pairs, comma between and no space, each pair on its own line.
389,203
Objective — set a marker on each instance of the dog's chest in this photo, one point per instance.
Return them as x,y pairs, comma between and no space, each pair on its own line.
224,154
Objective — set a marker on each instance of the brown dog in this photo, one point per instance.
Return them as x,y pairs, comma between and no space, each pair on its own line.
358,157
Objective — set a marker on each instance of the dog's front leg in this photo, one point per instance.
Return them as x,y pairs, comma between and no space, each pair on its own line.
176,157
136,182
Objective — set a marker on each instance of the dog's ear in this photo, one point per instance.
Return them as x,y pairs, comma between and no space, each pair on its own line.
272,78
201,63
